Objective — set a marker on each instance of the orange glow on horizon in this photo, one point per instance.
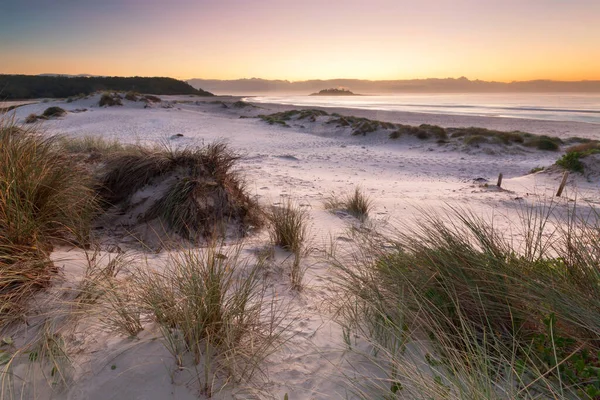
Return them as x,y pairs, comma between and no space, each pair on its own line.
284,39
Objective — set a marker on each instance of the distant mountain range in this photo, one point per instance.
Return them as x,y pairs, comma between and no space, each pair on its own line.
448,85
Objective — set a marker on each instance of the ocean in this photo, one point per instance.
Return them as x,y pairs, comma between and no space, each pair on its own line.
578,107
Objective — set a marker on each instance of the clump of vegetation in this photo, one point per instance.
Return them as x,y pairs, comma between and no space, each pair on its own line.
411,131
208,194
110,100
289,225
31,118
282,118
360,126
210,305
54,112
506,138
289,230
587,148
536,169
544,142
571,161
148,98
356,204
485,318
475,140
132,96
242,104
45,198
436,131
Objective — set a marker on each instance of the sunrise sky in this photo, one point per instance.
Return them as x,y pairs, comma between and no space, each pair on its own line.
297,40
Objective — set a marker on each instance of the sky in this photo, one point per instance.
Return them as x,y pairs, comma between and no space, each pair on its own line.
501,40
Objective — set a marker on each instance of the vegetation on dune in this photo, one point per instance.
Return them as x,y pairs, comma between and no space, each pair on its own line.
282,118
454,310
289,230
132,96
54,112
206,195
110,100
31,87
45,198
357,204
211,304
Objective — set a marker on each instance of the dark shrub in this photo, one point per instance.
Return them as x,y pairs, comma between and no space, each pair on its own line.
54,112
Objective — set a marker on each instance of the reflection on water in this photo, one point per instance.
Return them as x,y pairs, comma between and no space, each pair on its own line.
546,106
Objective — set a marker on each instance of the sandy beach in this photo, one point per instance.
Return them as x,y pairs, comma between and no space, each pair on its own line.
306,162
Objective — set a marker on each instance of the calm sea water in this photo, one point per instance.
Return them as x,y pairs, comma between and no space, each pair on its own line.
552,106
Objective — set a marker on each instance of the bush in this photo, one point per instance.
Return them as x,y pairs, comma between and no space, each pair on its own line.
544,143
131,96
585,148
31,118
54,112
110,100
437,131
571,161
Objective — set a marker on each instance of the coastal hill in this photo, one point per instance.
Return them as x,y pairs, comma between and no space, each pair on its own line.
448,85
35,86
335,92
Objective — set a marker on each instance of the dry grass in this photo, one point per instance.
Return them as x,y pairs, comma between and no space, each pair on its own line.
357,204
289,230
45,198
208,194
211,304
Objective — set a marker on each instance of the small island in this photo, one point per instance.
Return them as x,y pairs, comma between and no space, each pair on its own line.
335,92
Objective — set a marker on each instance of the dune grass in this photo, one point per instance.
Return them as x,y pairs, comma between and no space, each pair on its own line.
289,229
207,194
211,305
357,204
452,309
45,198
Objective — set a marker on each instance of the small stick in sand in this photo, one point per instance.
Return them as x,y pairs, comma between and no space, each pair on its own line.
499,184
562,184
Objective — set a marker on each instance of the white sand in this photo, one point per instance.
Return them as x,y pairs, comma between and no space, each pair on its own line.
307,164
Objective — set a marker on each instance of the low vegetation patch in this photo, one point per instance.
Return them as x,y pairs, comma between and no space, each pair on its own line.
357,204
211,305
132,96
198,193
571,161
453,307
289,230
54,112
110,100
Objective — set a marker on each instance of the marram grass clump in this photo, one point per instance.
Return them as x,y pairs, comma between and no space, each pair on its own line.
45,198
199,193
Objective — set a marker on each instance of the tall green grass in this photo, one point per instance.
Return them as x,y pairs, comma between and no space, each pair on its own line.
453,309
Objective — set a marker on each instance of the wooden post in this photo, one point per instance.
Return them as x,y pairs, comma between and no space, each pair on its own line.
499,184
562,184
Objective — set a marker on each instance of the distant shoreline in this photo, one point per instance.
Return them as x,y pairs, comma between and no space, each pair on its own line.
537,126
